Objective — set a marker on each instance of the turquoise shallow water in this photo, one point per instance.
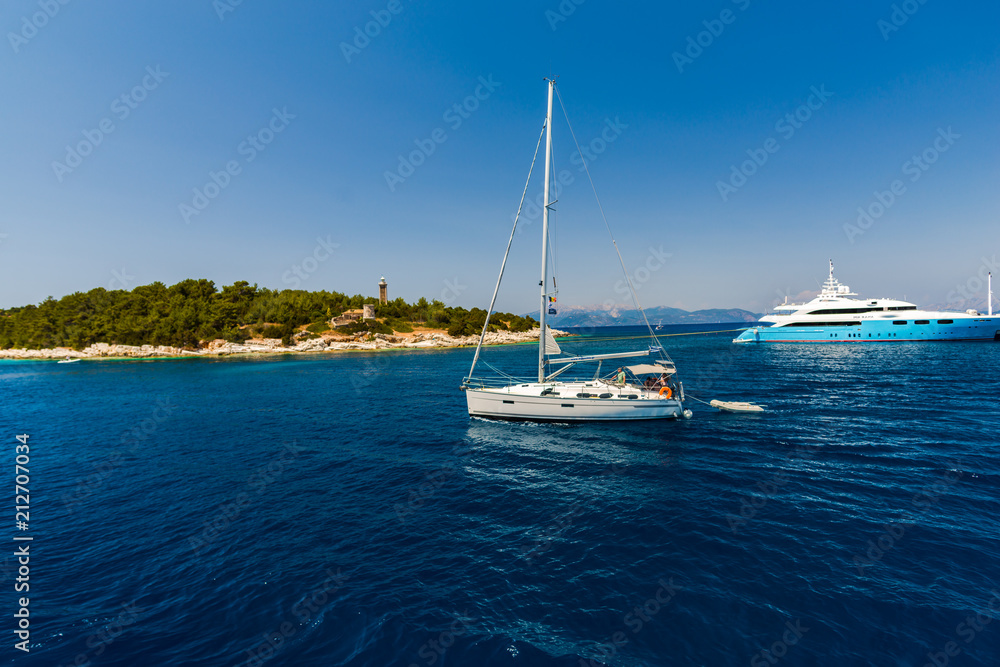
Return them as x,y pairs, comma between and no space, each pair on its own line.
343,509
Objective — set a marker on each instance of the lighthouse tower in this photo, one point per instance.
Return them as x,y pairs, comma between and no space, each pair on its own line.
383,291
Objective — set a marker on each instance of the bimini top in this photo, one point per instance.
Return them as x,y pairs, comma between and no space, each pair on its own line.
645,369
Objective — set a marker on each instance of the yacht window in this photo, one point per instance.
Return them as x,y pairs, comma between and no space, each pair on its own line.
946,321
842,311
823,324
899,322
921,321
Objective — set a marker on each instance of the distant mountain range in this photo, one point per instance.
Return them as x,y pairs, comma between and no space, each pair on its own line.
599,316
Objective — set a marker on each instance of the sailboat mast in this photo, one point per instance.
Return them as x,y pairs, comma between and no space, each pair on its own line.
545,236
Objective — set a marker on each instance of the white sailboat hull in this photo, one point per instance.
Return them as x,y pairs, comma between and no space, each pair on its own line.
570,403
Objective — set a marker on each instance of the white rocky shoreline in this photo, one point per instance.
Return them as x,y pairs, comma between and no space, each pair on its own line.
220,347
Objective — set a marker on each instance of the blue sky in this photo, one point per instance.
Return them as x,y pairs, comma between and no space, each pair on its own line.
310,206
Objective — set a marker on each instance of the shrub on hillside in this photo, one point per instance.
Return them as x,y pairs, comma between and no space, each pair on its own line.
399,325
370,326
276,331
235,335
461,328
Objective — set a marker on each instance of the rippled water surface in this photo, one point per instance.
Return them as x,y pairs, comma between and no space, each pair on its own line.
344,510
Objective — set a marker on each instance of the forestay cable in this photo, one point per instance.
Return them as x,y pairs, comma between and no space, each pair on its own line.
503,265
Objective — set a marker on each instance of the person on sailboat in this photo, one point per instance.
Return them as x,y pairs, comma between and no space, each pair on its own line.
666,385
620,376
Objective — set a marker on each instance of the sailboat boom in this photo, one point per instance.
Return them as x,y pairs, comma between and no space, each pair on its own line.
596,357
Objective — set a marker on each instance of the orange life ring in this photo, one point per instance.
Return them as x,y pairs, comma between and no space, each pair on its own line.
670,392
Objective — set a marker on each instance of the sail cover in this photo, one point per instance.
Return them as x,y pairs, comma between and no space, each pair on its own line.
644,369
551,346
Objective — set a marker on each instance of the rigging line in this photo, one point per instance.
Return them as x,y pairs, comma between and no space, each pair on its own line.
574,337
554,222
503,264
499,372
628,279
553,238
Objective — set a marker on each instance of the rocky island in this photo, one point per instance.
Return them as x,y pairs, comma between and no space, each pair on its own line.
332,342
194,318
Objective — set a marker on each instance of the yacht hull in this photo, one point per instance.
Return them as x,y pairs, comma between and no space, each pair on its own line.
940,326
527,403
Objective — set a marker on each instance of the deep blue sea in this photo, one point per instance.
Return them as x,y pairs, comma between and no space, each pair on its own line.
342,509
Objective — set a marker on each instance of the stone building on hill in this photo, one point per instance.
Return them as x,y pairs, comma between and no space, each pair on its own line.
349,317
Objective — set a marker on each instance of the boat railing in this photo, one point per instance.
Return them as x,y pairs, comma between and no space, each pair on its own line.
507,381
493,382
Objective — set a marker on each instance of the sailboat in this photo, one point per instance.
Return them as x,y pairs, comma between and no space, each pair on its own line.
646,389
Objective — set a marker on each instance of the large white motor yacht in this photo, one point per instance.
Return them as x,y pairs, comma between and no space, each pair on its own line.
835,317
